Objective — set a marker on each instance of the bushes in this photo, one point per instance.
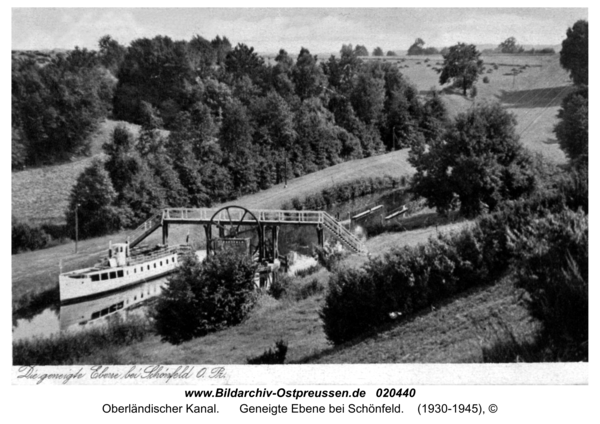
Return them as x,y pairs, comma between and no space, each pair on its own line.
553,269
408,279
402,282
345,191
329,256
271,356
26,237
202,298
351,306
290,288
542,238
68,348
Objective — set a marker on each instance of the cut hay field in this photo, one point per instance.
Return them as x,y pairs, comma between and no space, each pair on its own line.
533,95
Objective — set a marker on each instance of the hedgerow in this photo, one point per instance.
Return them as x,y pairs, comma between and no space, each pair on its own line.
344,192
541,237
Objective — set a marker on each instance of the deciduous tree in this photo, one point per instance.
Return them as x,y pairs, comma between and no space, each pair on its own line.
572,128
477,163
574,52
93,199
510,46
462,65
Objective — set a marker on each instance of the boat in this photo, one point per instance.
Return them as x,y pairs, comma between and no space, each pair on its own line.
124,267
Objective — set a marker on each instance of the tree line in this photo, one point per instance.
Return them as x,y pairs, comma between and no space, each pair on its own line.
237,125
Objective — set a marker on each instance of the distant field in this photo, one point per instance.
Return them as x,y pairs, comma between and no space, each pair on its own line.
534,95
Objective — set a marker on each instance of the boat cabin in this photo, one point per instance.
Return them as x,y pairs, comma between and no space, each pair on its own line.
118,254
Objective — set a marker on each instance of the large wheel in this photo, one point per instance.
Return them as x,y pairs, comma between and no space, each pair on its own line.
236,223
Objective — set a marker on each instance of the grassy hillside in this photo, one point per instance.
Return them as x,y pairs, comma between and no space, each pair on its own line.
298,323
452,332
41,195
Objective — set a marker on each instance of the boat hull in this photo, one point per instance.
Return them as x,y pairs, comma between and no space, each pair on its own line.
82,284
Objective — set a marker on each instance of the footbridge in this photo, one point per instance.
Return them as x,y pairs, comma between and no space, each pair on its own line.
231,220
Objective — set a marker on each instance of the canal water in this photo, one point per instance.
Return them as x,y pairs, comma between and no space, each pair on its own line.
298,241
303,239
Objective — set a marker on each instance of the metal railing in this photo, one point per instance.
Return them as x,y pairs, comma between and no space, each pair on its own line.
267,216
146,226
154,255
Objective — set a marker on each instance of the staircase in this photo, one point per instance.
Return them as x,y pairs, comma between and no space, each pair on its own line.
144,230
345,236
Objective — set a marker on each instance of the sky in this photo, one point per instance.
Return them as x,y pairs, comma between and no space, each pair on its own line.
321,30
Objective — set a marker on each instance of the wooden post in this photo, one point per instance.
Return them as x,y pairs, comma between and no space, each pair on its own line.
208,236
261,243
165,233
320,238
275,241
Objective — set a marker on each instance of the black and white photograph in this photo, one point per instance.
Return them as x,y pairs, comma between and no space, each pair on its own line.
203,192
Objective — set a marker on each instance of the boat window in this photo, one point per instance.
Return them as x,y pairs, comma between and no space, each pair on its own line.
167,261
160,263
95,315
148,267
120,273
120,305
95,277
113,274
154,264
104,311
113,308
105,276
135,270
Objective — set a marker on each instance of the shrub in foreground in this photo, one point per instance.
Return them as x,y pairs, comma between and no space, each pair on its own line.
271,356
553,269
69,348
204,297
400,283
26,237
